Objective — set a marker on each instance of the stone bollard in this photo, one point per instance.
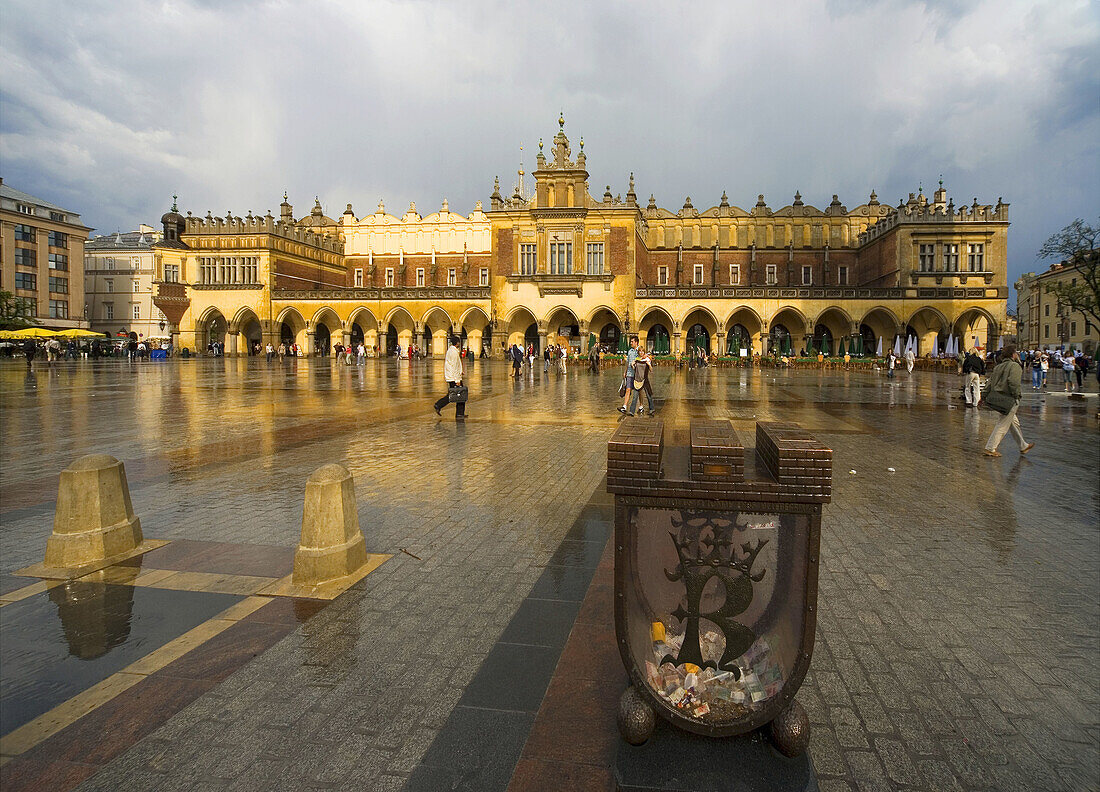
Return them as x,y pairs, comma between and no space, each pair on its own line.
332,546
94,520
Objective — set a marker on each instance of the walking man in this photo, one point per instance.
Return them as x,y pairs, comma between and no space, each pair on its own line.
973,367
891,362
910,358
452,372
1005,379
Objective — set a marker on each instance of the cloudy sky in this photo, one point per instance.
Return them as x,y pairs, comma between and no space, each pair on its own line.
108,108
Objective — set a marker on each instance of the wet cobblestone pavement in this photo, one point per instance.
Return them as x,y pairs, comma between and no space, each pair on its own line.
959,628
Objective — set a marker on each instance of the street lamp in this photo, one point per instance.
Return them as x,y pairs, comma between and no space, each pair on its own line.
162,325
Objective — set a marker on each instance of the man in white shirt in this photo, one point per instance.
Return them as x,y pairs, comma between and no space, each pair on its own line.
452,372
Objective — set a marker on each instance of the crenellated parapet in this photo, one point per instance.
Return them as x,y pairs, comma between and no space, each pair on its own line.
231,225
919,210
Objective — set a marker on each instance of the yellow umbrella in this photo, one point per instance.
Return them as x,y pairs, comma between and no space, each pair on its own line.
32,332
76,332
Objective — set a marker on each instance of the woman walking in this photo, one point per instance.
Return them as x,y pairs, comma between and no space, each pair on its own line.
1004,392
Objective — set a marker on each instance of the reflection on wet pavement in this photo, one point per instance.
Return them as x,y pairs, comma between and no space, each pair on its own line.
63,641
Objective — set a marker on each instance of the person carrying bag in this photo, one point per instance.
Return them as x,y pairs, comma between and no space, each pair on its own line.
1003,397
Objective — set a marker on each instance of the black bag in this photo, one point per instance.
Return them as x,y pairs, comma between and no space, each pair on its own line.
998,401
457,394
622,389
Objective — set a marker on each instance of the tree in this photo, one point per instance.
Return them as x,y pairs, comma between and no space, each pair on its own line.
15,312
1076,247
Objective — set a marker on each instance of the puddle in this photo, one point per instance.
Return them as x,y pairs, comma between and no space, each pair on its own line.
58,643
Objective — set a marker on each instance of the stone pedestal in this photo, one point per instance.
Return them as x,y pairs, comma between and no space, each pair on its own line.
332,545
94,520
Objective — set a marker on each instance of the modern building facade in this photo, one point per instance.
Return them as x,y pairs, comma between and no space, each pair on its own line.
118,283
560,264
1041,322
41,250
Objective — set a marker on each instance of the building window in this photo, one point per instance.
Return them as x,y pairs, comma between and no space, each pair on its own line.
662,276
976,257
358,277
735,274
1073,328
699,275
108,310
483,278
24,233
57,217
452,277
1046,310
527,259
24,209
172,273
108,285
561,258
927,258
59,239
26,280
594,258
137,287
1088,329
389,276
771,275
59,261
59,285
59,309
950,258
26,258
108,263
137,311
1046,331
419,276
807,275
842,276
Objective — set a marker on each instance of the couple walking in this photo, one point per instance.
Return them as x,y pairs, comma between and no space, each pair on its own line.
638,366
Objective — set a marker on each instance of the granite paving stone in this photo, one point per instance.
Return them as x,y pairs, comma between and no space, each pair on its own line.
959,608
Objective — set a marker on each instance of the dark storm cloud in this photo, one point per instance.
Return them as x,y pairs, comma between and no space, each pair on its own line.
110,108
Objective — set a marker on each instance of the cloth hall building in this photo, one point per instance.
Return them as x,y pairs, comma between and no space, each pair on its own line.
563,265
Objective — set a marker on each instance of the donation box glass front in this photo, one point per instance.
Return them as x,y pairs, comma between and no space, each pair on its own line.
714,605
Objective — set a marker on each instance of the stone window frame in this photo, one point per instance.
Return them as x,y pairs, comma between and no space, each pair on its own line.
135,309
108,311
528,258
771,274
842,275
926,257
594,258
662,275
950,256
358,277
975,256
807,275
24,278
560,257
700,275
59,309
420,282
735,274
452,276
389,277
59,285
483,277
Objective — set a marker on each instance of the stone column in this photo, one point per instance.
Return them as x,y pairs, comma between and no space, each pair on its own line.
382,335
720,338
678,343
310,348
231,338
542,340
346,335
582,328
